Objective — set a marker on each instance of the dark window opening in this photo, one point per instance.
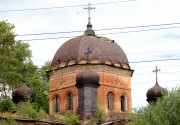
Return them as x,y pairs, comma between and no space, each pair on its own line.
69,101
110,101
123,103
56,104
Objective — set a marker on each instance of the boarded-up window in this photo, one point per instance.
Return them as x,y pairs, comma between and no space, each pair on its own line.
69,101
56,104
110,98
123,103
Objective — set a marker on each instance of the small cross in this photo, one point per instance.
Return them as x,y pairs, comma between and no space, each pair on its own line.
156,71
87,53
89,8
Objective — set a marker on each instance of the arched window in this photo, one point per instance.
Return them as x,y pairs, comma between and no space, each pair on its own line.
56,104
110,99
69,101
123,103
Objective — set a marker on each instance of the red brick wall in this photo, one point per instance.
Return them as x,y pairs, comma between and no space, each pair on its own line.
112,79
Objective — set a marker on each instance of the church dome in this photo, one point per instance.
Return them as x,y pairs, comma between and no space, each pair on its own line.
155,92
87,76
21,92
89,49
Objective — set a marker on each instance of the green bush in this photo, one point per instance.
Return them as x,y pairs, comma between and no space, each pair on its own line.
6,105
60,118
42,113
89,121
9,122
27,110
165,112
71,118
101,115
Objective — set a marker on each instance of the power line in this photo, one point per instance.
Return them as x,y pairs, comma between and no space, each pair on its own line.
132,27
104,34
141,68
146,61
133,31
158,81
140,53
161,73
151,52
70,6
158,66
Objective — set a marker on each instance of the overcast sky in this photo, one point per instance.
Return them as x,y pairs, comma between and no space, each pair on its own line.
141,44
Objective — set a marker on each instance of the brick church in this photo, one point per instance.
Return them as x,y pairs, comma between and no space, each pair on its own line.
87,72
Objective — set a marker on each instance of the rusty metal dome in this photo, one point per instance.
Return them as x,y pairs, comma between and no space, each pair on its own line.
90,49
21,93
87,77
155,92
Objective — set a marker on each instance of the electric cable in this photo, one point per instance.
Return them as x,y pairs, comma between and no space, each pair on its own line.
60,7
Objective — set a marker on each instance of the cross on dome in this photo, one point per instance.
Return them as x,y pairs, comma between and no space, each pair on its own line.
89,30
89,8
156,71
87,53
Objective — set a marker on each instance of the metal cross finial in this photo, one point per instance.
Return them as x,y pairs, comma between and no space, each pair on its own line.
87,53
156,71
89,10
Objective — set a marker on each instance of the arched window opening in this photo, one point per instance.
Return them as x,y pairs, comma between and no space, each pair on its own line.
56,104
123,103
110,98
69,101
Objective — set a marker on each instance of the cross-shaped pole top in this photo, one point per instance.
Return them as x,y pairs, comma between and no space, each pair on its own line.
87,54
89,8
156,71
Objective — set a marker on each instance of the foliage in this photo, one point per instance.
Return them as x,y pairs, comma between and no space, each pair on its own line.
100,111
14,57
27,110
6,105
42,96
43,71
71,118
101,115
165,112
42,114
9,121
60,118
90,121
13,54
37,81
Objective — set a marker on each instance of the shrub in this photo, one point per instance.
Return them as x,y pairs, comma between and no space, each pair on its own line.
42,113
101,115
9,122
71,118
165,112
27,110
89,121
60,118
6,105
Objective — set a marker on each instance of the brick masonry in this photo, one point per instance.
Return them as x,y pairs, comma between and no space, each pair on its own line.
111,79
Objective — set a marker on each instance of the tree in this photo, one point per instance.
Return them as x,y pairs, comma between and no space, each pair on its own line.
13,54
165,112
37,80
16,65
42,97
